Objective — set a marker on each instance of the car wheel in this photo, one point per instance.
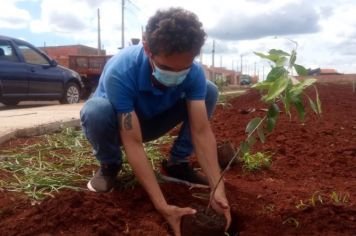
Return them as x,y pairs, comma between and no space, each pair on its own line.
10,102
71,94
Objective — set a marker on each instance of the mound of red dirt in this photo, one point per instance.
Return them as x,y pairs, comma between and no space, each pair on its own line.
310,188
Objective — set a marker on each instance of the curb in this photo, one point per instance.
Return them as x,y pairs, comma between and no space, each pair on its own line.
39,130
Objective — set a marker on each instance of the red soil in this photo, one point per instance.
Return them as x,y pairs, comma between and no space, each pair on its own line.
314,158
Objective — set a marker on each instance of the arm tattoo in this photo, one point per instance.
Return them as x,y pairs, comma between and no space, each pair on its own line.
126,121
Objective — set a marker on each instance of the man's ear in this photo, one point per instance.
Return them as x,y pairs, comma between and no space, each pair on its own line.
146,48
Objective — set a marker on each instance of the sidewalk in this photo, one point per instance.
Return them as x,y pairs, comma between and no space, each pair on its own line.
37,120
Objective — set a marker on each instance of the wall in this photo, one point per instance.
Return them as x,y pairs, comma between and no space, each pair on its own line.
61,53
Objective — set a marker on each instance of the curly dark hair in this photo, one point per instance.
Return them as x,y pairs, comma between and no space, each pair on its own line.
174,31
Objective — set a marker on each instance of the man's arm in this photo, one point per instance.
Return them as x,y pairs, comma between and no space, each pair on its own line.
206,151
131,137
132,141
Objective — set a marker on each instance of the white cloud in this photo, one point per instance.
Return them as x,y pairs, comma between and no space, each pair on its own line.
325,29
12,17
71,17
285,20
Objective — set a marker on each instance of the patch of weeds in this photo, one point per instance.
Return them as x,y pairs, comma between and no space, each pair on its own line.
323,198
126,175
293,221
225,97
316,198
301,205
339,198
256,161
269,207
59,162
42,169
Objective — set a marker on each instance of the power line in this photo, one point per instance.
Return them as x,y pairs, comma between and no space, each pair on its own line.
122,24
134,4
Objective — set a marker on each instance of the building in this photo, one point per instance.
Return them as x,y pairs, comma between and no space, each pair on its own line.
319,71
61,53
215,72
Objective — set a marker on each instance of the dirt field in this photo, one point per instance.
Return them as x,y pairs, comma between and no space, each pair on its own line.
310,188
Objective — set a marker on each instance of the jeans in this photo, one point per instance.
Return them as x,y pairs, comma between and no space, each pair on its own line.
99,121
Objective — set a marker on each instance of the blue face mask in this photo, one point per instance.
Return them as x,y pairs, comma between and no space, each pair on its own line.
169,78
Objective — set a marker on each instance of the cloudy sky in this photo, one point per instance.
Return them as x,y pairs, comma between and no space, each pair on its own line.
324,29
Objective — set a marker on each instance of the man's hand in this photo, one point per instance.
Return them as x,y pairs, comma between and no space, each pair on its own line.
173,216
221,205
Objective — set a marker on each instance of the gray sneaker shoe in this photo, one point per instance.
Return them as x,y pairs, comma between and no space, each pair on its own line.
104,179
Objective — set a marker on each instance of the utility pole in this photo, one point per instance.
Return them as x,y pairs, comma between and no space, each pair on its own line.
241,63
213,62
213,55
221,61
122,24
255,68
99,37
142,34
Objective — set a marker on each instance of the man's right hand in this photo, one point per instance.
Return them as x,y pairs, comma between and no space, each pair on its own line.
173,216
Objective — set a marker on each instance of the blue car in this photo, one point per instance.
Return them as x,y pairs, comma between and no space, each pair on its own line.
26,73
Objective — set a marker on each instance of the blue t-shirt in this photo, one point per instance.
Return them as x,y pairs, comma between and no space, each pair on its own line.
126,82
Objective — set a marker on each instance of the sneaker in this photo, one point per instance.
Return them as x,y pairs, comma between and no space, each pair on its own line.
183,173
104,179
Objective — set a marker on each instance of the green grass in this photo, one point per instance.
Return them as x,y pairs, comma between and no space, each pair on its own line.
224,97
319,198
59,161
43,168
126,176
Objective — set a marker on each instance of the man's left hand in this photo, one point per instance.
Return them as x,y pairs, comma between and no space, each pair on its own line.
221,205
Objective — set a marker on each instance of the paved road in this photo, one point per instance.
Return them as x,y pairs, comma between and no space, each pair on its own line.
34,118
28,104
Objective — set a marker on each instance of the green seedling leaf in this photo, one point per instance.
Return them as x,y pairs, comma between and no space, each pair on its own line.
271,123
276,73
299,88
293,58
296,90
300,70
313,105
278,52
281,61
300,108
261,134
318,103
261,55
273,110
307,82
276,89
244,147
272,116
251,140
286,99
262,85
271,57
252,125
256,161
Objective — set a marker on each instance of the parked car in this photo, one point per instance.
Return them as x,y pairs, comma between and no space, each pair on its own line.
245,80
27,73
